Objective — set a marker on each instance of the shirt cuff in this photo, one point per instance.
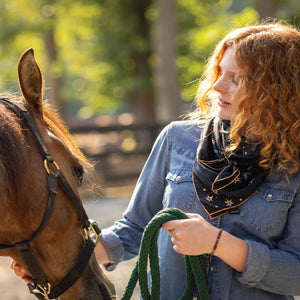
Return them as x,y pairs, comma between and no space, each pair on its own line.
257,264
114,247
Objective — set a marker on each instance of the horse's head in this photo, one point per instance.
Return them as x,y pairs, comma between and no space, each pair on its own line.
43,225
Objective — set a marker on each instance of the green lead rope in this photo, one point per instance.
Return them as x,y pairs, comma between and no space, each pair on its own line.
195,271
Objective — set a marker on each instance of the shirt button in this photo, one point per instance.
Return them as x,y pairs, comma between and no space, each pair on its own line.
270,195
211,269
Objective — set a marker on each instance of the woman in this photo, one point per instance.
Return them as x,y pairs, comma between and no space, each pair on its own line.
236,175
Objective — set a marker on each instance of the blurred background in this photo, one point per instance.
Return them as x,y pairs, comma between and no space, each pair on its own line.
117,71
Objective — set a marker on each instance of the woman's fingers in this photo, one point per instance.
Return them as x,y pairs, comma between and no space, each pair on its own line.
170,225
21,272
192,236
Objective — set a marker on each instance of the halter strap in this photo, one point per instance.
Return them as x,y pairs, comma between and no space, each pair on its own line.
42,288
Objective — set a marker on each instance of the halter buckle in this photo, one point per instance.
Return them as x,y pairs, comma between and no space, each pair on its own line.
47,167
44,291
92,232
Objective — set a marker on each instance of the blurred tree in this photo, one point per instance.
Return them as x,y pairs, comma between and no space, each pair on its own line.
201,26
124,42
98,56
166,87
266,8
125,32
48,30
31,24
289,10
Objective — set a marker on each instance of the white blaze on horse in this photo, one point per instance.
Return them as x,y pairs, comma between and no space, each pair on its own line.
43,225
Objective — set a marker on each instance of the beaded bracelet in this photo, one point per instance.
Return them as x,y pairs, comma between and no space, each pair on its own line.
216,243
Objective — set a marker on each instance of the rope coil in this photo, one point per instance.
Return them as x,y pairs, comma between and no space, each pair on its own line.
195,271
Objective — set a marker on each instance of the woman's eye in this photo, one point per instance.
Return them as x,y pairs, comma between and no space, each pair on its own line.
235,81
78,172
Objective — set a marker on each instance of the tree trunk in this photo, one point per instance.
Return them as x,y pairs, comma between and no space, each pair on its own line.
141,99
266,8
166,90
53,78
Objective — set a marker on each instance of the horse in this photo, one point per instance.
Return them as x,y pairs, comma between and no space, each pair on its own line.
43,225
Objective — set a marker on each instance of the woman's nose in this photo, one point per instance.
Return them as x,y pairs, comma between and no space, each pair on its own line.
220,85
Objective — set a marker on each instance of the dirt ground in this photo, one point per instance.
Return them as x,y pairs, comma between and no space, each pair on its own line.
13,288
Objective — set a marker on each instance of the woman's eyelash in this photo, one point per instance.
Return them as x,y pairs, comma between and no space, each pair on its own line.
234,80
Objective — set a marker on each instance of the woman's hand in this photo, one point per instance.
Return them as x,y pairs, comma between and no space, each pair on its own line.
101,253
19,271
196,236
193,236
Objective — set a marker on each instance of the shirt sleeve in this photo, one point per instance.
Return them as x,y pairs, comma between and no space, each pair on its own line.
276,270
123,238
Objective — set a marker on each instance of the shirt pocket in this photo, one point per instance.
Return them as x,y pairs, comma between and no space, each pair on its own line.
267,209
179,191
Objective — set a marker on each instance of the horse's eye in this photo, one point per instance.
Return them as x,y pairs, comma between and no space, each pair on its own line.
78,173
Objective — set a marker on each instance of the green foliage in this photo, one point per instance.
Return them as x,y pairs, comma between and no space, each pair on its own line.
105,47
289,10
13,16
124,44
201,27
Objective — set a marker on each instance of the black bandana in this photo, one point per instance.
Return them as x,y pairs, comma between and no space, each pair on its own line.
223,182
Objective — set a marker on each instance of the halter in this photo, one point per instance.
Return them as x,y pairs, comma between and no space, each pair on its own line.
42,288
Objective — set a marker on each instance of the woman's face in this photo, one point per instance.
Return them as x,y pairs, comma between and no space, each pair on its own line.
226,85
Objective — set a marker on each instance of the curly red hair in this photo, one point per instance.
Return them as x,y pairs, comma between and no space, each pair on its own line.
267,57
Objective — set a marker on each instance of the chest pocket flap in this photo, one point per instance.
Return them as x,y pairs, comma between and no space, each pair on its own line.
268,208
179,175
276,194
179,191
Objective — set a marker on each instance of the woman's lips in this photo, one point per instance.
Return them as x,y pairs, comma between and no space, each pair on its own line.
223,103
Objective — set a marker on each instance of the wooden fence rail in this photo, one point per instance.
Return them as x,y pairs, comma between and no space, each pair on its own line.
118,151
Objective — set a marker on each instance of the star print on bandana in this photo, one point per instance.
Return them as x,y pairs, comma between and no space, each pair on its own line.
209,198
228,202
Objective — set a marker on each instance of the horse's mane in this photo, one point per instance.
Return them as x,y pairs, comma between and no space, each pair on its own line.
12,146
14,137
58,127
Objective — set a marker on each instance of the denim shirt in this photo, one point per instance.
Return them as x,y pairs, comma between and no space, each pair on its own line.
269,222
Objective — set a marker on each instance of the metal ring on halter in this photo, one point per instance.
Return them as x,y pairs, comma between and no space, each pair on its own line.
45,291
91,232
47,167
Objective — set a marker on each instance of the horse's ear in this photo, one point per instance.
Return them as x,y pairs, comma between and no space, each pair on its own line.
31,82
